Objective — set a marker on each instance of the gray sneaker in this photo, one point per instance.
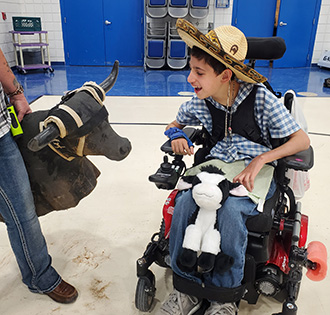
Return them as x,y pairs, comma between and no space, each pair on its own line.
180,304
217,308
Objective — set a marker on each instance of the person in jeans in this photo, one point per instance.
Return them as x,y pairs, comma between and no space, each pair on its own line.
223,82
17,205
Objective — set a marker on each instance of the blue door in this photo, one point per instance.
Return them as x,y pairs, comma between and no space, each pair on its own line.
255,18
99,32
83,32
124,35
298,28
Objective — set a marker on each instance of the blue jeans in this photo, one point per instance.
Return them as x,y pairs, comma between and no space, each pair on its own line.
18,211
232,218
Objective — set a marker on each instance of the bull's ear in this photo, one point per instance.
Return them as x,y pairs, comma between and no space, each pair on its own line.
185,182
238,190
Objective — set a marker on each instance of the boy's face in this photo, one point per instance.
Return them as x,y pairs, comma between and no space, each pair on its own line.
204,80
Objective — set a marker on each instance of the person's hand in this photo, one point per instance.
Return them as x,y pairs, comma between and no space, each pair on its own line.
247,176
21,105
180,146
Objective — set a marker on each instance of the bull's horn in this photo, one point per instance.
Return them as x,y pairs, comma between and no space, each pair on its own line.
44,138
109,82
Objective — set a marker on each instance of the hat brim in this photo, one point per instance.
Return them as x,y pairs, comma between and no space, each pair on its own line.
193,37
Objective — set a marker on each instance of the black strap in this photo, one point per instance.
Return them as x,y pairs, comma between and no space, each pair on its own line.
223,295
88,126
66,118
243,121
71,126
269,87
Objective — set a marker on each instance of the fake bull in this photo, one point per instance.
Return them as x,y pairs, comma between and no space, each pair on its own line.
59,171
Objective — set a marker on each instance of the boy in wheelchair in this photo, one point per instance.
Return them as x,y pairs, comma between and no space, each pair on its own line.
246,117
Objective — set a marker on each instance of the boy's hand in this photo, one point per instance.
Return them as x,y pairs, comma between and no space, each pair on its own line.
180,146
247,176
180,142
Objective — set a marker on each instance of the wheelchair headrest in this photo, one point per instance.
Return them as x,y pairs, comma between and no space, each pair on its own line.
265,48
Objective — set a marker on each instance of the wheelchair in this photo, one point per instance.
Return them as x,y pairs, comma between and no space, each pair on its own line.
276,252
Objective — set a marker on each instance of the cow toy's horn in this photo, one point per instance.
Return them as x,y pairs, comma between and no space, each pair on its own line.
43,138
109,82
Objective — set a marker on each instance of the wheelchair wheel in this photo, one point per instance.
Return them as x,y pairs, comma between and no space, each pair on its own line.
317,253
145,292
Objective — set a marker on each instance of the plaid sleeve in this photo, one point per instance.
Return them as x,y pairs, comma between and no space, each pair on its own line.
281,124
4,115
187,114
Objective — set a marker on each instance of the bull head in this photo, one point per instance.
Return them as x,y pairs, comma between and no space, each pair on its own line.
84,129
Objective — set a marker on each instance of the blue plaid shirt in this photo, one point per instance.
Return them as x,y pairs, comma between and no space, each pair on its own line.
4,115
272,117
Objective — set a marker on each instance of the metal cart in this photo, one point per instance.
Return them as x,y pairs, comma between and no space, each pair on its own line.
19,45
30,26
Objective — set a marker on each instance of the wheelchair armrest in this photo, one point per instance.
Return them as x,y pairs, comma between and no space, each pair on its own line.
189,131
301,161
166,147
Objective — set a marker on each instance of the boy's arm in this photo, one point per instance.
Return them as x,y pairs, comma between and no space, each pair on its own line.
174,123
298,141
180,145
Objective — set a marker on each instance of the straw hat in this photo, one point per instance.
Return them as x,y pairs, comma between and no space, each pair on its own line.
225,43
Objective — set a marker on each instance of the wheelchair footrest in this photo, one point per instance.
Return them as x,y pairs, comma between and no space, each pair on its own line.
223,295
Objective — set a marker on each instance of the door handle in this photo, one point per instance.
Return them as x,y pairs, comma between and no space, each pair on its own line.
283,23
107,22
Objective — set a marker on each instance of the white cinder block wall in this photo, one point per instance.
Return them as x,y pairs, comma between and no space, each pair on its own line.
49,11
322,39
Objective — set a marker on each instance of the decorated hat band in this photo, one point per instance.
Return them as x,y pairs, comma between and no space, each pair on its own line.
225,43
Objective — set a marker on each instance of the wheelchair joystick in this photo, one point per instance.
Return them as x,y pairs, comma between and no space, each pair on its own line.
166,166
168,173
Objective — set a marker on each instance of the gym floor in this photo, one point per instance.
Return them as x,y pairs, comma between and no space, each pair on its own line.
134,81
96,244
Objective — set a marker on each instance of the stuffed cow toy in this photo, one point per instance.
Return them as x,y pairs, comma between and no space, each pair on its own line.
210,189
